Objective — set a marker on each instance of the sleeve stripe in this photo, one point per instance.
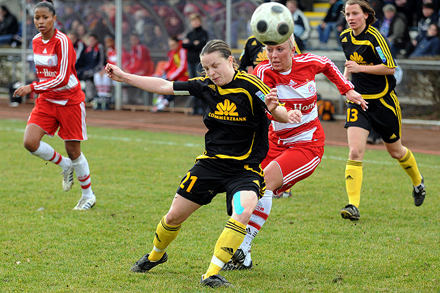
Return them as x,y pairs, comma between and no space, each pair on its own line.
383,45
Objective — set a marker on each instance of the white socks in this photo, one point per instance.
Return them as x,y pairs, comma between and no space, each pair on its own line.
47,153
81,167
257,220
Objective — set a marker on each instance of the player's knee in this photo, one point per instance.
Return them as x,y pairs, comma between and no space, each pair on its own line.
395,154
173,219
30,145
355,154
243,206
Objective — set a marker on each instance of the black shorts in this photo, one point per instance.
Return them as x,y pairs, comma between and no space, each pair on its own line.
383,115
209,177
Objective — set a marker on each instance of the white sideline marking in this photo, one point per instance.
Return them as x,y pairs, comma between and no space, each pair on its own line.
193,145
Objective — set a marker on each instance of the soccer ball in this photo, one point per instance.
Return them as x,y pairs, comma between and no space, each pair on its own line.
272,23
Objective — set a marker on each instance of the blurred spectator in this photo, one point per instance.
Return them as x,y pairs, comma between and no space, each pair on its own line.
140,62
302,29
90,62
101,30
143,22
69,17
329,22
8,26
78,44
429,45
190,8
175,69
157,39
174,25
81,30
341,25
377,6
394,27
126,34
195,40
103,84
429,16
408,8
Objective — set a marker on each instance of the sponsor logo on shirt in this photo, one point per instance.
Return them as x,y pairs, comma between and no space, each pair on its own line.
260,95
227,111
47,73
381,54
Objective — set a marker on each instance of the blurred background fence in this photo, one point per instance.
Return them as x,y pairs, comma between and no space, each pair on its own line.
154,21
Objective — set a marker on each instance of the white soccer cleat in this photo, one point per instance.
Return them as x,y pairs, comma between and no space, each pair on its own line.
68,178
85,203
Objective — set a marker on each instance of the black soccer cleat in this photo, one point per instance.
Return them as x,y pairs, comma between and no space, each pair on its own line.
230,266
419,193
350,212
236,262
144,264
215,281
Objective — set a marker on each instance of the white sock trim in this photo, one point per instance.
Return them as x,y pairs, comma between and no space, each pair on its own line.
157,249
217,262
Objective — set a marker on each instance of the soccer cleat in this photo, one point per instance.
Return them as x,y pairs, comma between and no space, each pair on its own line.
68,178
215,281
237,262
144,264
350,212
231,266
85,203
284,194
419,193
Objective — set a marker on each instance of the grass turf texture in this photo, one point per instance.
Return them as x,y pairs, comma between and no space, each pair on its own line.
305,245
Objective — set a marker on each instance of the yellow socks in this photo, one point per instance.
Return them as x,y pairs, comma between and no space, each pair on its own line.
165,234
408,163
353,181
228,242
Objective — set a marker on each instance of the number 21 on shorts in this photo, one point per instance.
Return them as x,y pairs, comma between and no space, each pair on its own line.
192,179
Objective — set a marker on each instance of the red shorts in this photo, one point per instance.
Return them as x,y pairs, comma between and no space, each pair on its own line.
70,119
296,163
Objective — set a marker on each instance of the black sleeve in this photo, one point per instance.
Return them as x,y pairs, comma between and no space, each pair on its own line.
186,88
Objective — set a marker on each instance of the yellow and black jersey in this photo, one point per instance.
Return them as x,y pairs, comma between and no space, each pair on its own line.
235,115
369,48
253,53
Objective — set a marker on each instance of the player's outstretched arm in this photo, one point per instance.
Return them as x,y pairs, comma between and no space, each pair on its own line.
148,83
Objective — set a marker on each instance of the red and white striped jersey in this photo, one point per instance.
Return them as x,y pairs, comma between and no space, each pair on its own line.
297,90
55,63
111,56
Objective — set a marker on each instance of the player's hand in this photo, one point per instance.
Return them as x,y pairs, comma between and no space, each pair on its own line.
352,67
294,116
22,91
355,97
271,100
114,72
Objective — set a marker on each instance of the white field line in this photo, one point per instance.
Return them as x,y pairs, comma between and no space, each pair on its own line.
192,145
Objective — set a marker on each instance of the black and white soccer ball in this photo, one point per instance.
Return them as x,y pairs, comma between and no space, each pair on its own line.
272,23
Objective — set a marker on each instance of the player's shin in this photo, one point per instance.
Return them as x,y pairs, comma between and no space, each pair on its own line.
408,163
165,234
353,181
228,242
258,218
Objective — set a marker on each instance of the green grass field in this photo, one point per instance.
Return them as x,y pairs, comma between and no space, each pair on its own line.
304,246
